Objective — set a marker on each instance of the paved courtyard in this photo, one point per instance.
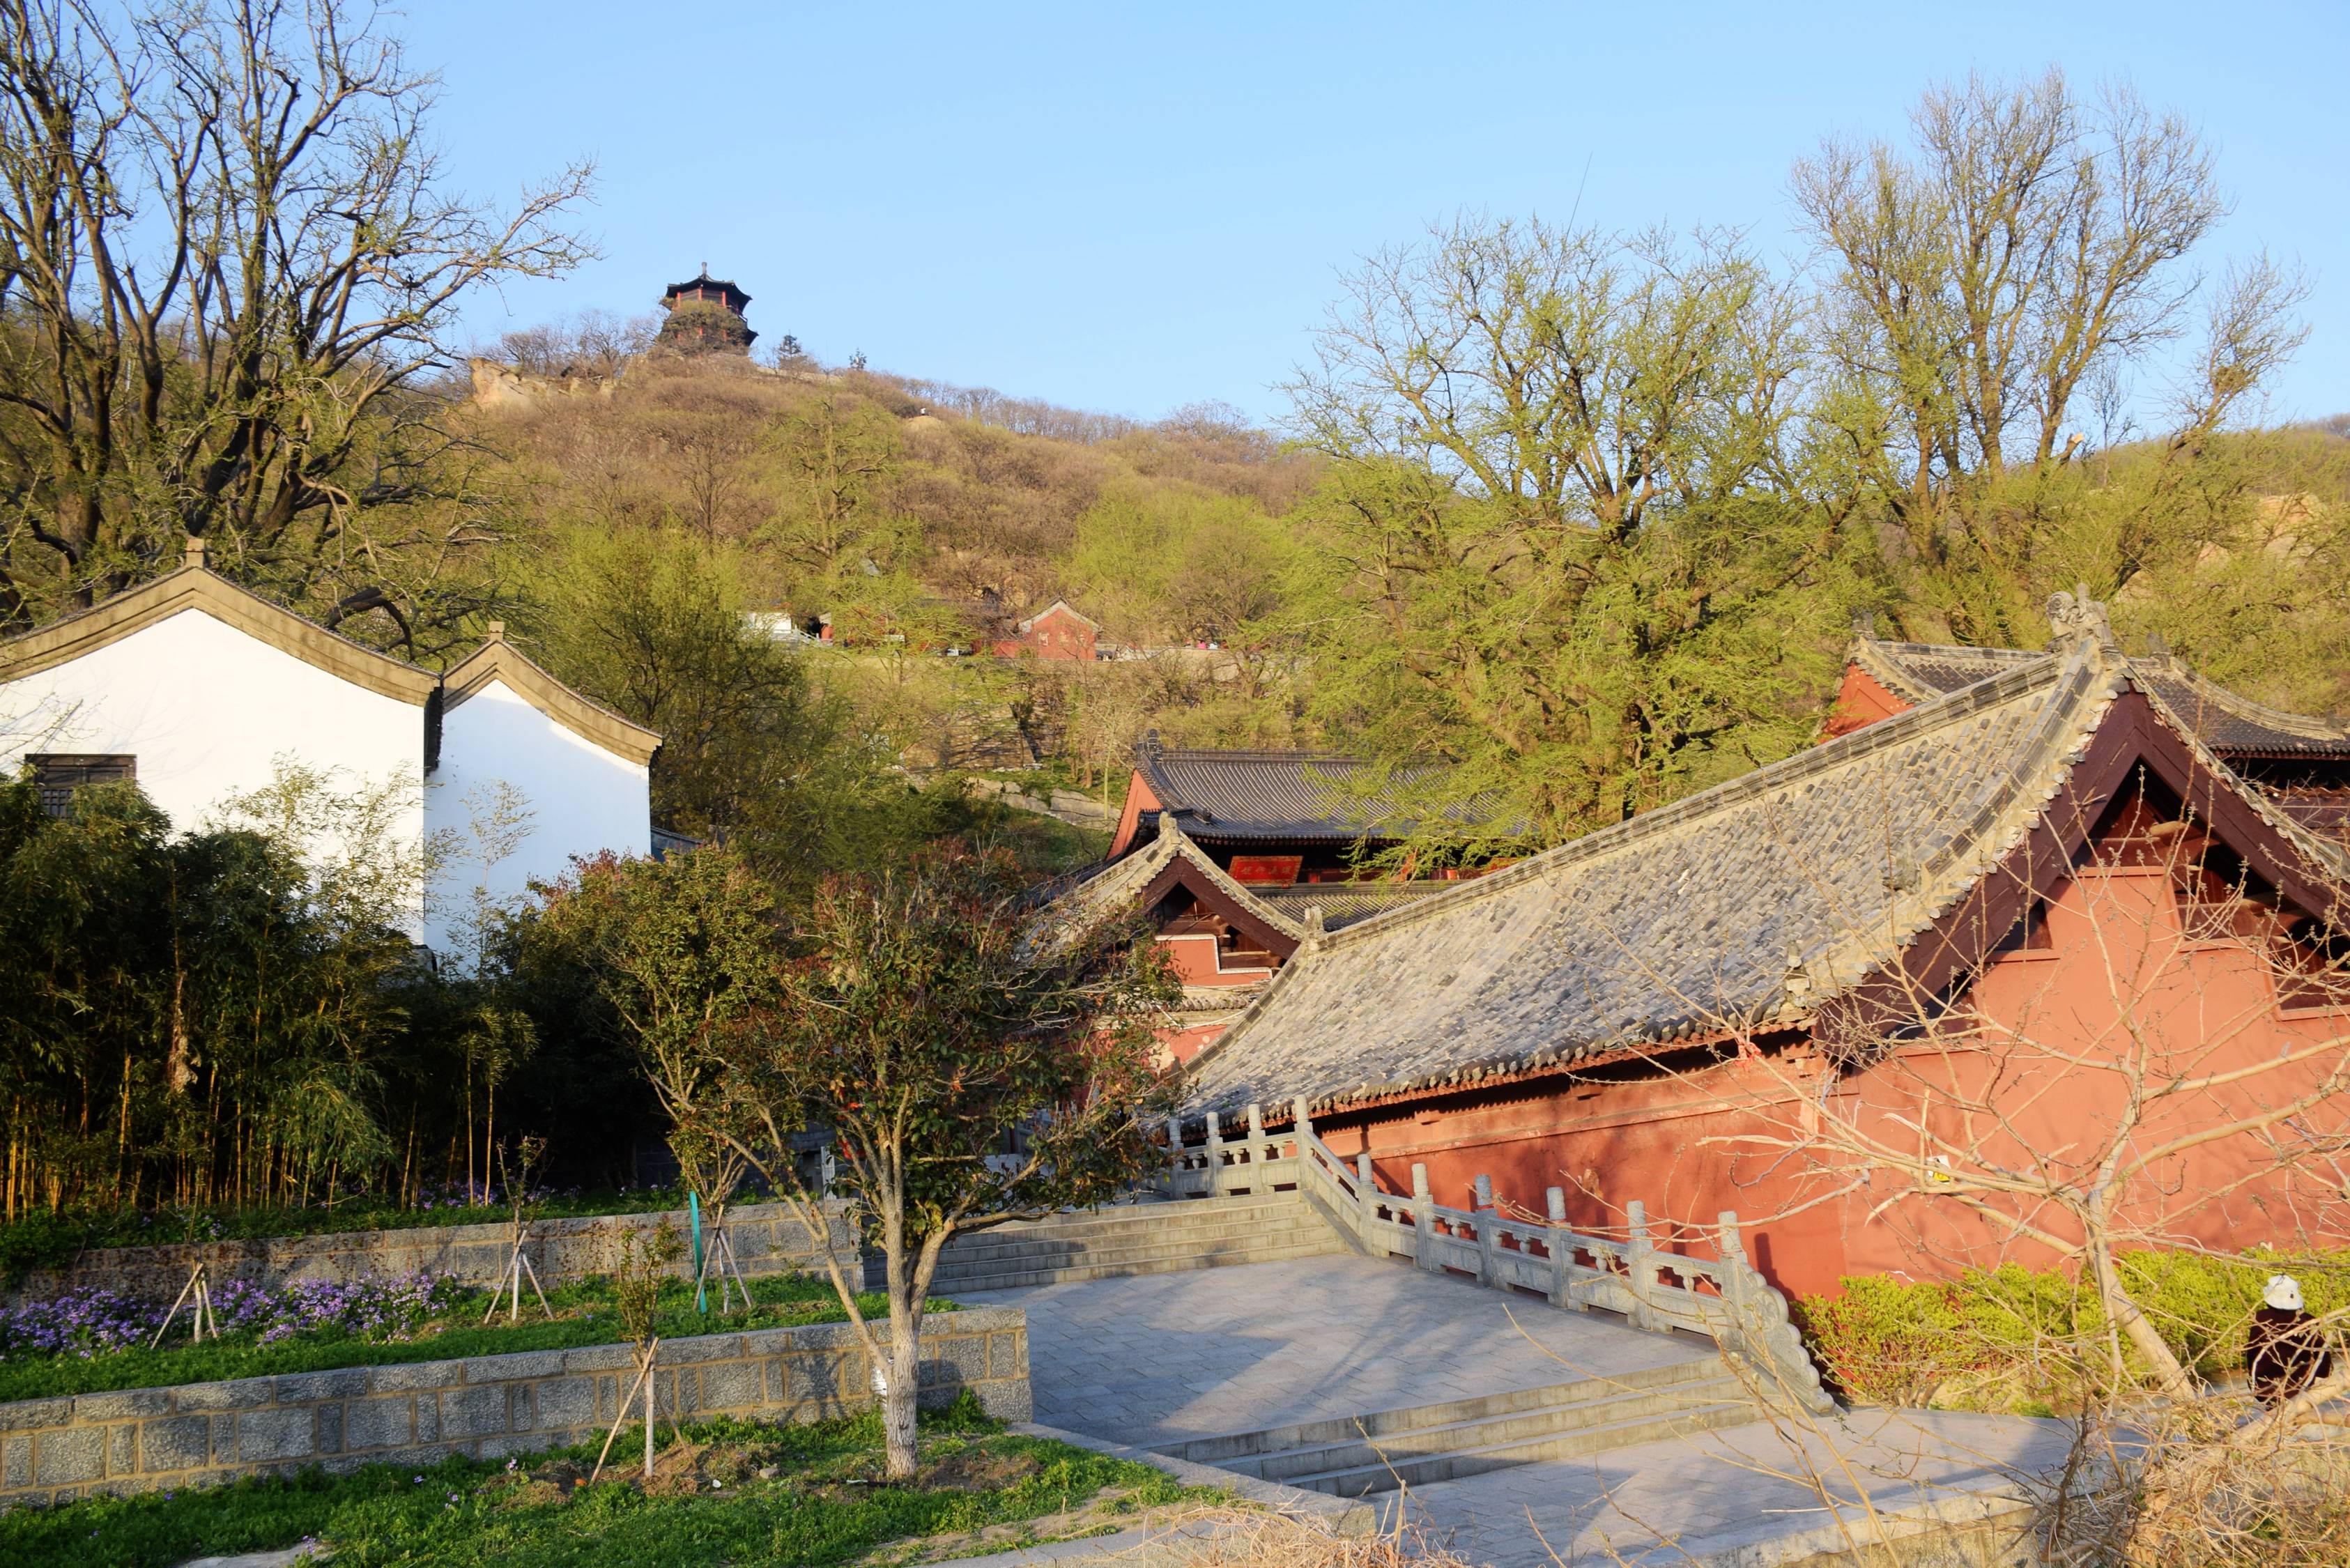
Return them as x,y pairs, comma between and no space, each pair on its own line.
1160,1358
1157,1359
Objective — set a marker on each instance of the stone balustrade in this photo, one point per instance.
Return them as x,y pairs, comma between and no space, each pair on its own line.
197,1434
1724,1298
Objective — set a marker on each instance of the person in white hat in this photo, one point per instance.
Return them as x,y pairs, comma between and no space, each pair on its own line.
2286,1351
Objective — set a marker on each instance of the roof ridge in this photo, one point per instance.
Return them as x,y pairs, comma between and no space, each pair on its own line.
535,684
1947,708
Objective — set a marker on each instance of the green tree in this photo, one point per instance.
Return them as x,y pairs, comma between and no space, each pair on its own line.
1563,543
1991,289
967,1074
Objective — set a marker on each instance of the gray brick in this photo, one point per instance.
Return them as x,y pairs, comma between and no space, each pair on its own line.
123,1450
308,1387
379,1423
17,1462
521,1363
417,1375
1007,1356
600,1358
131,1403
328,1438
703,1347
427,1418
242,1394
733,1385
25,1414
176,1442
285,1433
224,1436
565,1402
522,1408
71,1456
473,1412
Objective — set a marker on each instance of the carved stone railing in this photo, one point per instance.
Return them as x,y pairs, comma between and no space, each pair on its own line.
1724,1298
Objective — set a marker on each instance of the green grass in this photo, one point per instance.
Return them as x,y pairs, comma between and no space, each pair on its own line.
819,1509
588,1315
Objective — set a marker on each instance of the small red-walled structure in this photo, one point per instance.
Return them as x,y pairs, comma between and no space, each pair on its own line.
1960,939
1056,631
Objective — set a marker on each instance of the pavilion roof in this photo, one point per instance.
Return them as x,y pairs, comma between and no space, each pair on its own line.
1295,796
1744,906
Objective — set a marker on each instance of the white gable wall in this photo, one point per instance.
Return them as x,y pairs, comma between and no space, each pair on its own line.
208,709
582,798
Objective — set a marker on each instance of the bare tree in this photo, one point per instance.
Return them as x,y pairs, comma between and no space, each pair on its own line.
2028,252
228,256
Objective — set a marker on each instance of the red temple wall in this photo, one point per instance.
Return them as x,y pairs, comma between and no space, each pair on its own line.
2119,976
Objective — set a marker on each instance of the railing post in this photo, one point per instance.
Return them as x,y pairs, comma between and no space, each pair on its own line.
1366,1195
1639,1263
1257,1181
1489,1262
1175,1155
1423,1224
1215,1157
1562,1248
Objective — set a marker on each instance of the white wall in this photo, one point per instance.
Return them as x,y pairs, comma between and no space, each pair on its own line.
583,800
208,709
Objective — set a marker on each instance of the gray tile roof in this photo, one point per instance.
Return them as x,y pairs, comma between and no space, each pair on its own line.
1298,796
2230,724
1074,905
1816,869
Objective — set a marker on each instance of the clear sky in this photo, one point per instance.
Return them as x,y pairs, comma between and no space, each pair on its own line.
1129,208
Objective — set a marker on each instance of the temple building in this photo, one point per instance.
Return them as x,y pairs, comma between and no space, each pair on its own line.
203,693
1238,857
2023,910
704,316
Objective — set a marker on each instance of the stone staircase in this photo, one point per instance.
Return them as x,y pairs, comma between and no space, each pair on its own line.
1356,1455
1149,1237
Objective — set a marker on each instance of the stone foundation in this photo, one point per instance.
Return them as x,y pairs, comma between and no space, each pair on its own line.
200,1434
767,1241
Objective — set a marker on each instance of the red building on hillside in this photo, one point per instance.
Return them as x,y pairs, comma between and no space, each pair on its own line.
704,316
1056,631
1883,998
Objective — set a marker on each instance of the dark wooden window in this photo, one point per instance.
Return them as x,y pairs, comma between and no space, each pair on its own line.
56,776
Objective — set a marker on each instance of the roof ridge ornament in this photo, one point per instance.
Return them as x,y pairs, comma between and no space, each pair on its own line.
195,553
2075,620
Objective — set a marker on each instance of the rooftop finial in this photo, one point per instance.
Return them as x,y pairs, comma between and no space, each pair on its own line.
194,555
2076,617
497,631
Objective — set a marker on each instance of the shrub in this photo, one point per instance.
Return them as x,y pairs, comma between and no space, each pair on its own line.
2007,1337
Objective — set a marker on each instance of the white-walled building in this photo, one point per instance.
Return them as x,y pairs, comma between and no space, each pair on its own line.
199,690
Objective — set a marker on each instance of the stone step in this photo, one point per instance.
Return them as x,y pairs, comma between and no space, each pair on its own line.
1009,1280
1452,1465
1490,1432
1142,1241
1233,1446
1171,1219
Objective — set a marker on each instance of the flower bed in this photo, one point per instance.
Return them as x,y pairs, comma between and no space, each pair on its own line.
93,1341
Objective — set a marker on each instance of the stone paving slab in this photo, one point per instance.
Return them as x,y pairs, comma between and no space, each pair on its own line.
1161,1358
1699,1497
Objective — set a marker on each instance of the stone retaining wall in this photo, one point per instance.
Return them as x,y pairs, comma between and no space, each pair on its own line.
766,1239
200,1434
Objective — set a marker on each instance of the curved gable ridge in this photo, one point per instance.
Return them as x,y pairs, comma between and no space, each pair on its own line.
195,586
499,661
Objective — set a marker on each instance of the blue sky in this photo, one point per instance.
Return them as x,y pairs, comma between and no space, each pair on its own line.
1131,208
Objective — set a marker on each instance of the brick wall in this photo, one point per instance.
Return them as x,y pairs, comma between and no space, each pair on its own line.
199,1434
766,1239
